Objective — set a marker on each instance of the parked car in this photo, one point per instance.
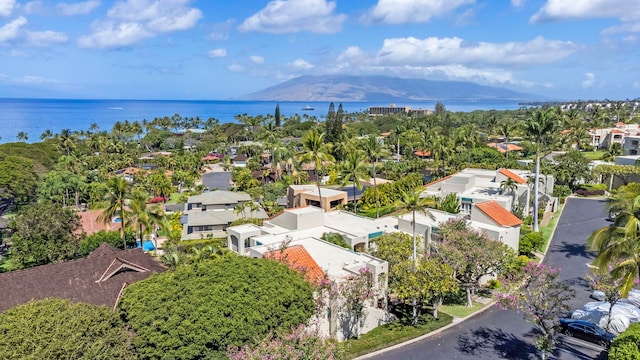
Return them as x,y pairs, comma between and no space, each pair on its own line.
598,295
587,331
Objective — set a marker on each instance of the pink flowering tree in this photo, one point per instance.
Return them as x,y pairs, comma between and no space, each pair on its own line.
301,343
355,292
541,298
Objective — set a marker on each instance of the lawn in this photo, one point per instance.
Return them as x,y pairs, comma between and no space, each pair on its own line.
461,311
548,229
391,334
593,155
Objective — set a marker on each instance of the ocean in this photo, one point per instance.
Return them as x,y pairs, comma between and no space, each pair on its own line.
34,116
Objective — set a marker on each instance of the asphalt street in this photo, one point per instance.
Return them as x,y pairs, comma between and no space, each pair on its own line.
499,334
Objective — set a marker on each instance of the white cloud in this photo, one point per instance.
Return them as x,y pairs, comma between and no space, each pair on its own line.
131,21
6,7
554,10
291,16
45,38
452,59
30,79
517,3
301,65
35,7
256,59
235,67
436,51
220,52
80,8
221,31
11,30
411,11
111,35
628,27
589,80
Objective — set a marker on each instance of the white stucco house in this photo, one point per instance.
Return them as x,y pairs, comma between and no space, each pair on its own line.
297,233
488,217
474,186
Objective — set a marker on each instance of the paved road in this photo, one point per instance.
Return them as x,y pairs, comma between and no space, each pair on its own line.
498,334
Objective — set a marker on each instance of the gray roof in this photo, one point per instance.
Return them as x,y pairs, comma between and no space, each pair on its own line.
219,180
219,197
220,217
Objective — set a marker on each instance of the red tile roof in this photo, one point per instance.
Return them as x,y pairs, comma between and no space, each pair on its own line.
503,148
422,153
617,131
298,259
513,176
498,214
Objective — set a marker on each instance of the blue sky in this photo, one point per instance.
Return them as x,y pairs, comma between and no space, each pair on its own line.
212,49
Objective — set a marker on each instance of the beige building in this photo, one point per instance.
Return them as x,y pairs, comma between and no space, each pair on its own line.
308,195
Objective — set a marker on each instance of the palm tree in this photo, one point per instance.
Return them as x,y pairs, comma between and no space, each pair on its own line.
117,195
374,150
506,129
22,136
47,134
509,185
315,151
351,170
618,247
413,202
467,138
540,125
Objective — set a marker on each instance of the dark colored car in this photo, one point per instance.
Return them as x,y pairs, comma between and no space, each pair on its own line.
587,331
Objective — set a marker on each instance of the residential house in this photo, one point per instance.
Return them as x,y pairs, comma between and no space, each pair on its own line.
309,221
318,259
631,145
488,217
97,279
305,195
210,213
477,185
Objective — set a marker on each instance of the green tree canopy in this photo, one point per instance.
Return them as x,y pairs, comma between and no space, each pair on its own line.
44,233
61,329
200,309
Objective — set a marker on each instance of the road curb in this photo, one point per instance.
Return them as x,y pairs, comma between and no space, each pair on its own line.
455,322
458,320
555,226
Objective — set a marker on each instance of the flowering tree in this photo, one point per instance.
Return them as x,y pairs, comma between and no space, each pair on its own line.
299,344
355,292
429,282
472,255
541,298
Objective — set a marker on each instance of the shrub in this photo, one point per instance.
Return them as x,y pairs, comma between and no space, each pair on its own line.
61,329
200,309
532,240
158,199
593,187
627,344
582,192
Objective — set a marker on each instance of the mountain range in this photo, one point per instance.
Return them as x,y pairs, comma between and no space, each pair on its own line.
381,88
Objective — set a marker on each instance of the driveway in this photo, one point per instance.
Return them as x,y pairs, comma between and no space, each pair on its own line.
498,334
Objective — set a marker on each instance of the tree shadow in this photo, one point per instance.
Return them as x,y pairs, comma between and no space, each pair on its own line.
496,342
578,282
572,250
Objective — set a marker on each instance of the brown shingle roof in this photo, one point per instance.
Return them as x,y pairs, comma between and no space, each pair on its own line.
513,176
298,259
498,214
97,279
